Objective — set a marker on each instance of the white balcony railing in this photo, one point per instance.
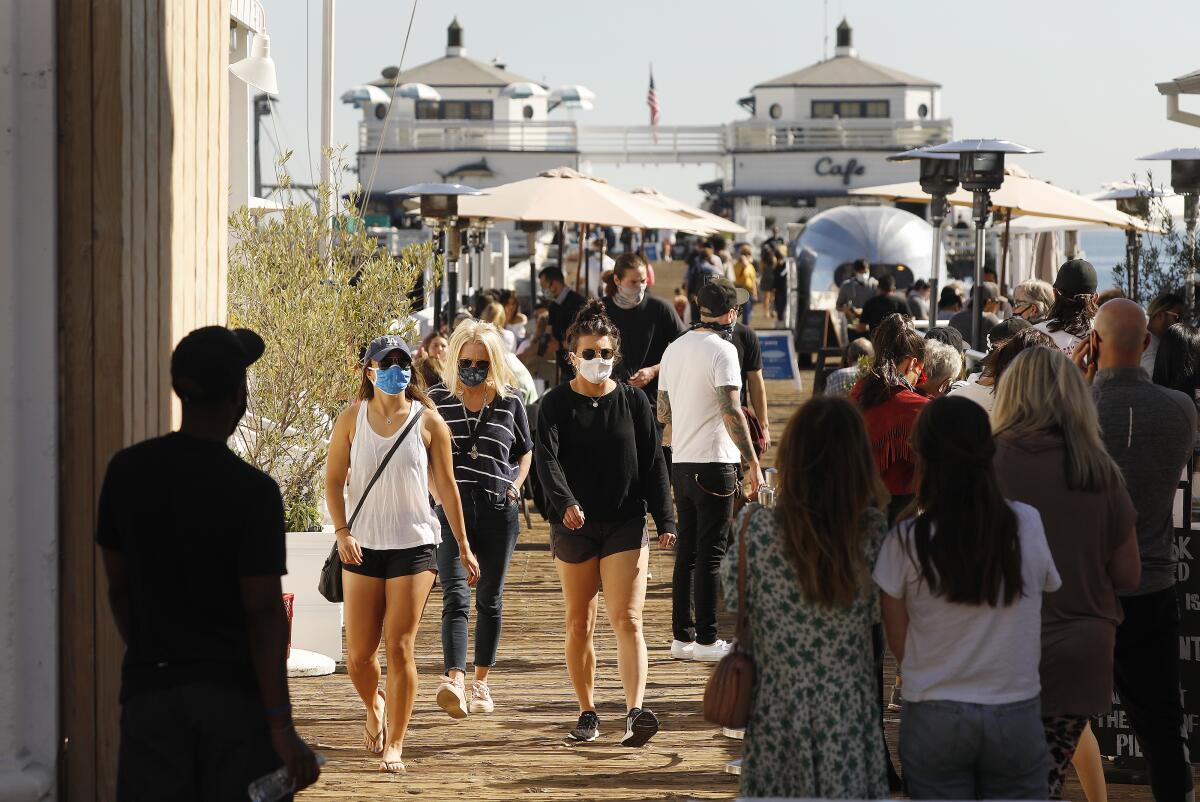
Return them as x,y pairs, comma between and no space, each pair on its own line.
667,143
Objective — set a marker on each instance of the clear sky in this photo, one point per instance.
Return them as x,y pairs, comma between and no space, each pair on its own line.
1072,77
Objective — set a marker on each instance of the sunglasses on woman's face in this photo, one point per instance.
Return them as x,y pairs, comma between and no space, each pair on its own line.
401,359
482,364
591,353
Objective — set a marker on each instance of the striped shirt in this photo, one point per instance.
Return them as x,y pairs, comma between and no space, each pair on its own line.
500,445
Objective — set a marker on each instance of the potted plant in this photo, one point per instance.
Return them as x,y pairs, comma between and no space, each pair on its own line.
317,288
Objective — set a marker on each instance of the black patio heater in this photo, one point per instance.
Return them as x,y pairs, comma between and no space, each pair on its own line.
1133,200
980,170
939,179
439,211
1185,180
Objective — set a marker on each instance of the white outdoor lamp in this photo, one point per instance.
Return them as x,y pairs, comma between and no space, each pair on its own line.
258,68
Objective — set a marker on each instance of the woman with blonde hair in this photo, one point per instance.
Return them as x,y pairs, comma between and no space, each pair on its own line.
1049,455
388,563
492,452
814,728
494,313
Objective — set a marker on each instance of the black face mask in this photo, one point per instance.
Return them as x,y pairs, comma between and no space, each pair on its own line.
724,330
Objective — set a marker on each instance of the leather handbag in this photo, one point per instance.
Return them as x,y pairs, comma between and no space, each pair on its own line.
730,689
329,584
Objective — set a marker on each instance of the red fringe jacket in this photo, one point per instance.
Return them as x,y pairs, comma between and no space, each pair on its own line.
889,430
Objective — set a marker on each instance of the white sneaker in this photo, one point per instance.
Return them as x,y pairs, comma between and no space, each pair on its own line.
452,698
481,698
710,653
682,650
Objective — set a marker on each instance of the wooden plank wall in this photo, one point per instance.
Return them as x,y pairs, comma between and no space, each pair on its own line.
143,181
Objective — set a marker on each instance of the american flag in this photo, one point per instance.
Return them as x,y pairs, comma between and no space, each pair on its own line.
652,102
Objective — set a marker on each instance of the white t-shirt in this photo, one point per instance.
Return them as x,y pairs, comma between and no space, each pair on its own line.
1065,341
1150,355
692,369
980,394
964,653
595,269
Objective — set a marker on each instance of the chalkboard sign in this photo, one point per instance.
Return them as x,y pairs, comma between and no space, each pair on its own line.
813,330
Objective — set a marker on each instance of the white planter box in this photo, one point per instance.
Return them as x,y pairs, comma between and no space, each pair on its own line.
316,623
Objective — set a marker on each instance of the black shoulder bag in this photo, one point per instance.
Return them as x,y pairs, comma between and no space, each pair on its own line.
330,583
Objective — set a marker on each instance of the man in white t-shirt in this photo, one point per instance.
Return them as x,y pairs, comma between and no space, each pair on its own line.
699,398
597,262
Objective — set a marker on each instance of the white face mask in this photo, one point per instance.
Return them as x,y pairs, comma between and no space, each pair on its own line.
595,370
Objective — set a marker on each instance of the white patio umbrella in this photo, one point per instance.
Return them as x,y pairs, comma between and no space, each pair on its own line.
1046,256
712,221
418,92
1021,194
522,90
573,96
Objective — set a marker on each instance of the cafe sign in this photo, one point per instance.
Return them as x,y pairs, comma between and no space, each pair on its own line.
846,170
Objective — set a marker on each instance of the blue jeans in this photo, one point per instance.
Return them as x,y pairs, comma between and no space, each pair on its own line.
959,750
492,532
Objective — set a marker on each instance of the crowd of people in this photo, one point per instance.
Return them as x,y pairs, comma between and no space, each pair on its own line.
1007,533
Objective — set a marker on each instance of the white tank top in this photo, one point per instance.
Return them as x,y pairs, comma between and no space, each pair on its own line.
396,514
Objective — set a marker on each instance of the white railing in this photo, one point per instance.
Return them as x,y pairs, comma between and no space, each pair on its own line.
637,142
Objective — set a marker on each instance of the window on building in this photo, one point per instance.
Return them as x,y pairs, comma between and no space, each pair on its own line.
922,111
527,112
850,109
428,110
454,110
479,110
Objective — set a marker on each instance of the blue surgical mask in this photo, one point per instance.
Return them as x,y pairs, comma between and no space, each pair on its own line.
472,377
392,381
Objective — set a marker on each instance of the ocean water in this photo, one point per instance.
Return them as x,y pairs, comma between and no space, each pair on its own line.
1104,248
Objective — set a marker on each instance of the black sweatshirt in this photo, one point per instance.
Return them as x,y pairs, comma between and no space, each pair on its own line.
605,457
646,331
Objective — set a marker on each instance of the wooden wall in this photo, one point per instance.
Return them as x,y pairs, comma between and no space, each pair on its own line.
142,186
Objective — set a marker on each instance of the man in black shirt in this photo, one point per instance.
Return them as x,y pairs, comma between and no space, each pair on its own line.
647,325
754,387
565,304
193,544
885,303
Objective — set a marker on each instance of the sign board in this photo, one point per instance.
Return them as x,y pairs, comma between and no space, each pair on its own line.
813,331
1113,730
650,251
778,356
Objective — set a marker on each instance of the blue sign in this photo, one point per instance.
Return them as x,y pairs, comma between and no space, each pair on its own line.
778,356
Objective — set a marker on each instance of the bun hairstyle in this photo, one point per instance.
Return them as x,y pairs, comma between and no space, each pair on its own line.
592,321
895,341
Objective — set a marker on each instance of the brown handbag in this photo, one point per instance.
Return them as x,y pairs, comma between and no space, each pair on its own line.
730,688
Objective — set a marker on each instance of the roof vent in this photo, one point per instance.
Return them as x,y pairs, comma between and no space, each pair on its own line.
391,72
845,36
454,39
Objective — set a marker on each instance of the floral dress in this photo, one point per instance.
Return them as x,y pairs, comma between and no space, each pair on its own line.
814,727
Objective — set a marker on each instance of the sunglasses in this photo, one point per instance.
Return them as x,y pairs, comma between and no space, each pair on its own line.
590,353
483,364
401,359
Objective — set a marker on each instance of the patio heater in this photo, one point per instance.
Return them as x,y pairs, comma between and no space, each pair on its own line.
1134,201
980,170
1185,180
939,178
439,211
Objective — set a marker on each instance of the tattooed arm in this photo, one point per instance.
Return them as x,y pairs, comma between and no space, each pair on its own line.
664,408
735,423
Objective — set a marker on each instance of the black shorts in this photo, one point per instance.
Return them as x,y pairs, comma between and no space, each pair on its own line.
597,539
391,563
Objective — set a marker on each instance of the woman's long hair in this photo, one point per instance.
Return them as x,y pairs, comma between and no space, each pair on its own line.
964,538
827,480
500,375
1177,364
1042,392
1072,314
895,341
593,321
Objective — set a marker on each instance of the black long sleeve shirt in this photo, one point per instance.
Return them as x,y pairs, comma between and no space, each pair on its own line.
604,455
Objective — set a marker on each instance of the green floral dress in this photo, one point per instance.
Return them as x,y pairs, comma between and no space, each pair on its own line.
814,724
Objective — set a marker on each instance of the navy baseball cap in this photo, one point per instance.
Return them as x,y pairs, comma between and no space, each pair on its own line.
382,346
210,362
719,296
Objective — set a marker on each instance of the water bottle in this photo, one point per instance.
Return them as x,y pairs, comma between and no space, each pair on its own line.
766,491
276,785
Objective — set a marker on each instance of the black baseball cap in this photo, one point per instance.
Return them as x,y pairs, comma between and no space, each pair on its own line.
719,296
382,346
1076,277
1005,329
210,362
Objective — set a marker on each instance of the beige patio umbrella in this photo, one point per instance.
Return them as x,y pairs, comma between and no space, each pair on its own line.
1021,194
712,221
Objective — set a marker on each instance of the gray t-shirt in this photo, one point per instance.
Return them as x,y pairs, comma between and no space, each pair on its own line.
1149,430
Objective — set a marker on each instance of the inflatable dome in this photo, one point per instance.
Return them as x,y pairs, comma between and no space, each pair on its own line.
887,237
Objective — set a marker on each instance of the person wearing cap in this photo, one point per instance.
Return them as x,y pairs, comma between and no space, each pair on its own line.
964,320
192,539
389,557
1165,311
1069,321
479,401
699,398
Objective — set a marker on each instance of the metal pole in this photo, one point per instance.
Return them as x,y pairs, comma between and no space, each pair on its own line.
531,239
1189,216
327,94
439,252
1130,261
980,209
464,240
452,276
259,102
937,214
1000,273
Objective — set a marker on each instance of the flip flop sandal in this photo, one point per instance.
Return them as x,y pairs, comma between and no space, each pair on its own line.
374,743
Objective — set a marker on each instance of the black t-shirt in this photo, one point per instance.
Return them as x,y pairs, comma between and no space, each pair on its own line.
562,315
646,331
745,340
191,519
606,458
879,307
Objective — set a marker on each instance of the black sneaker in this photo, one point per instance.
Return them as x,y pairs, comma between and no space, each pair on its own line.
588,728
640,726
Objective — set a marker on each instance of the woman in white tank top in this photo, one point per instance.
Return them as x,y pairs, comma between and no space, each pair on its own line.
388,559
